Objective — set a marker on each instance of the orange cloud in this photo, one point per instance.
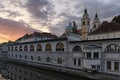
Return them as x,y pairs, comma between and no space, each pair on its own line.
12,30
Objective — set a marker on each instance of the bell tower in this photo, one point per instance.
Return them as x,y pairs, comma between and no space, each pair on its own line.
85,25
96,22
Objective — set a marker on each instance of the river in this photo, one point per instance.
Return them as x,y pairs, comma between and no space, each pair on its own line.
12,71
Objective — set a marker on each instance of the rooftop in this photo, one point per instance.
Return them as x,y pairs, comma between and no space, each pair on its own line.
107,27
38,34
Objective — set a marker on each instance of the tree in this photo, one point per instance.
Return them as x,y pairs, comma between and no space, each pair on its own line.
116,19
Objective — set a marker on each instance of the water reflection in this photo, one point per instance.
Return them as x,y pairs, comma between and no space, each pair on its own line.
20,72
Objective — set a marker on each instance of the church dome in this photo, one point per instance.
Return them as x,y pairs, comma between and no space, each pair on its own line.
69,28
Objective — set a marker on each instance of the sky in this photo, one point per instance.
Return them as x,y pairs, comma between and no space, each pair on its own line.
20,17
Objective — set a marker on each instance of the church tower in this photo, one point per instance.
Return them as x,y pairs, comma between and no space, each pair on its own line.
96,22
85,25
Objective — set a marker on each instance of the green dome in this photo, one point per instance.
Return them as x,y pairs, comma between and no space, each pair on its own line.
69,28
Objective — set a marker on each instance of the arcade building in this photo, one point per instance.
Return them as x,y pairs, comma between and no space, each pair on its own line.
96,49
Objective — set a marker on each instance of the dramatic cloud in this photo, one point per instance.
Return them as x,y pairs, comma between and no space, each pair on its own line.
11,30
49,15
40,10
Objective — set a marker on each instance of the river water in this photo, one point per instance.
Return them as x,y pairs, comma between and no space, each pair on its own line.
11,71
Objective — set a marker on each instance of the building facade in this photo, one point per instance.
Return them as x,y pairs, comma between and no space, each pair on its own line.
93,51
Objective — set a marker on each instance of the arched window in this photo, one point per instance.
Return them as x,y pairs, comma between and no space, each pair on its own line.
112,48
48,59
25,56
76,48
20,48
25,48
48,47
60,60
16,48
39,47
31,47
39,58
32,58
60,47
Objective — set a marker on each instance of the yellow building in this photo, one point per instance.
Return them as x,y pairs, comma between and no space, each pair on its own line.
85,25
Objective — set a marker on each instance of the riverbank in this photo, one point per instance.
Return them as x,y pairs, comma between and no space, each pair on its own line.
66,70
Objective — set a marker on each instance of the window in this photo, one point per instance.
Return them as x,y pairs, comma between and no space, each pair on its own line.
74,61
31,57
48,47
25,56
108,65
59,60
12,48
88,54
15,56
12,55
79,62
77,48
20,56
98,67
31,48
20,48
39,58
88,22
83,22
96,55
84,54
116,65
25,48
39,47
93,67
60,47
8,48
16,48
48,59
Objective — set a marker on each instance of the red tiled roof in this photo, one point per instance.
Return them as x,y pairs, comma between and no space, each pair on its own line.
106,28
38,34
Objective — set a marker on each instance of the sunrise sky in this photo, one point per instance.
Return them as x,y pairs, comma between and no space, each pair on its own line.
18,17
